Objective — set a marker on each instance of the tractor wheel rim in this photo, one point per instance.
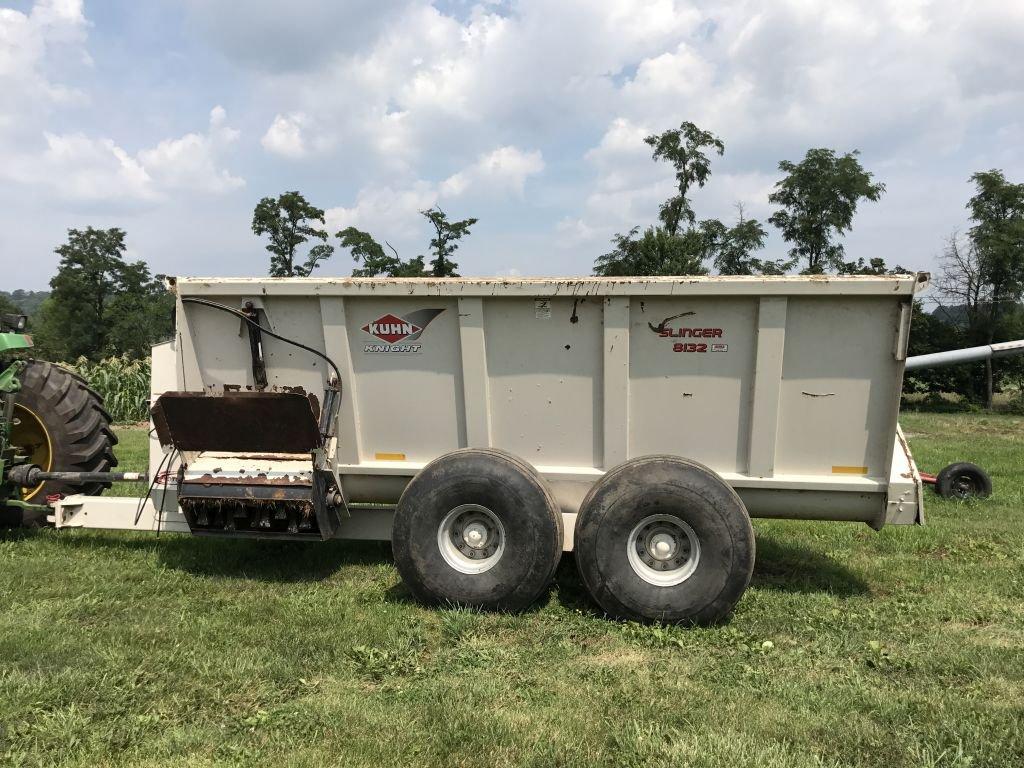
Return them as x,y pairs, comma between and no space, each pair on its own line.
471,539
663,550
30,435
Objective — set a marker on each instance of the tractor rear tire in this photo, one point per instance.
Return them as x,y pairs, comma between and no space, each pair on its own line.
62,426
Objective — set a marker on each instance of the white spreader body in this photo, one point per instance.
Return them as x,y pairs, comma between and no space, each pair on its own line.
788,388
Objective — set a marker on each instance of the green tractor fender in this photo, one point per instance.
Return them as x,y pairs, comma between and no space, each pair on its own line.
9,375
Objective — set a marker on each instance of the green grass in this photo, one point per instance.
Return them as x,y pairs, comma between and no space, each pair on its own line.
132,456
898,648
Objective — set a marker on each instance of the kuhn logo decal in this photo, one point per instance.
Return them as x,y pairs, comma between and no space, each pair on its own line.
397,331
390,328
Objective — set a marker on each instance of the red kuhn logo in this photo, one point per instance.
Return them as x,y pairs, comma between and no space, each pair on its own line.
390,328
398,333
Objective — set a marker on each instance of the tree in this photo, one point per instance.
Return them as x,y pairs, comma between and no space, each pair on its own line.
929,332
289,222
875,266
960,283
997,236
680,246
8,307
376,261
99,304
982,275
656,252
138,314
733,247
684,147
28,301
961,294
445,242
818,199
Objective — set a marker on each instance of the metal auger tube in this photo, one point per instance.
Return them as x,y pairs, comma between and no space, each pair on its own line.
969,355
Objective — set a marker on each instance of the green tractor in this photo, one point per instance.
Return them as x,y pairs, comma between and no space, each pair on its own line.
55,436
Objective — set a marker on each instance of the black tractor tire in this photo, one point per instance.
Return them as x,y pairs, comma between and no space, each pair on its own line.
662,538
963,480
522,541
77,428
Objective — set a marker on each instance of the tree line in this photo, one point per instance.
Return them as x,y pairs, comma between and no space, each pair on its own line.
816,198
101,305
289,222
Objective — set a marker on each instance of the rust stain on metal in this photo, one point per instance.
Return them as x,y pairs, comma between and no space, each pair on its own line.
273,422
242,479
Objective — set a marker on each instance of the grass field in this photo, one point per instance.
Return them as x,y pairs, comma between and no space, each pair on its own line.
898,648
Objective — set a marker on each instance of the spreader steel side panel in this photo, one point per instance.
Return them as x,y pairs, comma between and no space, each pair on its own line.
787,387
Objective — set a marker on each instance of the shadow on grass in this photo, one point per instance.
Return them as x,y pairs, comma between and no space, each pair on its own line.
780,565
566,590
789,567
279,561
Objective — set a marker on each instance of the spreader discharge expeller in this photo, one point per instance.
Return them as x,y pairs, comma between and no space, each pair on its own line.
252,463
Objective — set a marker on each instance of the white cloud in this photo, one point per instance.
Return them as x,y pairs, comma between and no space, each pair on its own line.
83,169
284,136
386,211
504,169
572,232
406,104
395,209
888,77
191,162
35,48
31,46
431,82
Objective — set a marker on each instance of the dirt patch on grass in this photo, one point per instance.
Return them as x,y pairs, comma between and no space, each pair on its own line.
617,657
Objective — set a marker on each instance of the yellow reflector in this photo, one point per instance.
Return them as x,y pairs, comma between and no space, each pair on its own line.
849,470
389,456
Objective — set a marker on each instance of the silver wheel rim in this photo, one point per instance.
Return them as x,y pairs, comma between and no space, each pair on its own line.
471,538
663,550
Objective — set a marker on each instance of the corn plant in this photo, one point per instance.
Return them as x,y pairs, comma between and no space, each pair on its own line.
123,384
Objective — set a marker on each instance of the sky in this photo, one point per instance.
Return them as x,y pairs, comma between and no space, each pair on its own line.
172,119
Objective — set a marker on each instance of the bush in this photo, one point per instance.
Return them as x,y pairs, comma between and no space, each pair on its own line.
936,402
1016,404
123,384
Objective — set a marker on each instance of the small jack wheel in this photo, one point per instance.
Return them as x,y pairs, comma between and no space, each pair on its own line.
963,480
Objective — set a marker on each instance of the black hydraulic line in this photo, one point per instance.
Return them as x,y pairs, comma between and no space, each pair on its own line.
81,478
253,323
168,459
259,364
29,475
163,496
